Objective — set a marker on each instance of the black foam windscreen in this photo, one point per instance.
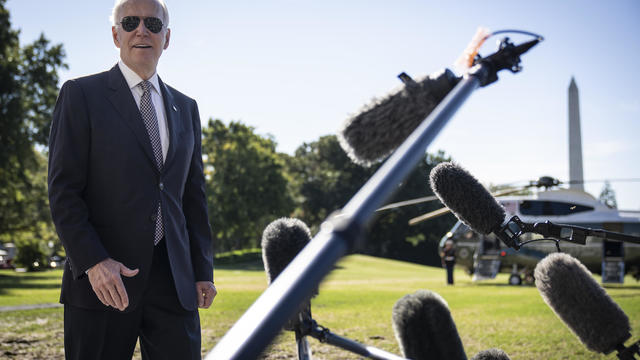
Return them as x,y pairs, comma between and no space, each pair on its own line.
467,199
491,354
282,240
581,303
425,329
378,128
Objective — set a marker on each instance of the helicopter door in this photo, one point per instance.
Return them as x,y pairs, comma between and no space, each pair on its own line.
487,261
612,261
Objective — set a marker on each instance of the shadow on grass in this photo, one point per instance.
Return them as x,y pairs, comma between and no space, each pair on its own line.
244,266
10,282
502,285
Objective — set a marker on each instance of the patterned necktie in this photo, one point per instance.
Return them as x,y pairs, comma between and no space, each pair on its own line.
148,112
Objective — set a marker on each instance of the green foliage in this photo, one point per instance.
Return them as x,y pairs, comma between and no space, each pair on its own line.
28,91
31,254
238,257
246,185
33,246
325,179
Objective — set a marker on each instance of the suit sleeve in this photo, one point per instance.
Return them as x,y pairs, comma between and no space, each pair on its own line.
194,205
69,148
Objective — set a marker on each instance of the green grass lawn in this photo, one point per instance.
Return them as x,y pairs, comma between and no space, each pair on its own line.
355,301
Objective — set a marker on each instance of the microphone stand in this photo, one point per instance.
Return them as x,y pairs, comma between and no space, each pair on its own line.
304,350
324,335
343,230
628,353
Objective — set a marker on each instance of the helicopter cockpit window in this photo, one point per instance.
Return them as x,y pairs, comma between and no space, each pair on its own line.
550,208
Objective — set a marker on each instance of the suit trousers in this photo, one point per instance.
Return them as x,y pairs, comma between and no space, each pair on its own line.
449,265
166,330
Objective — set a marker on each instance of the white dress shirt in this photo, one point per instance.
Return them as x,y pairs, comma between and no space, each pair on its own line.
133,80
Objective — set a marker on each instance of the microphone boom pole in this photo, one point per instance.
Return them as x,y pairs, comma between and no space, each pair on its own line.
341,232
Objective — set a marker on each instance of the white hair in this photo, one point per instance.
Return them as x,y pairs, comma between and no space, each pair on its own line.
118,6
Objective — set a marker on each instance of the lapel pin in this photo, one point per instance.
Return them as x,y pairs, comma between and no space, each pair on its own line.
174,108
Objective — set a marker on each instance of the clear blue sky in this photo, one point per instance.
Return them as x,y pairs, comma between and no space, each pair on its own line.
296,69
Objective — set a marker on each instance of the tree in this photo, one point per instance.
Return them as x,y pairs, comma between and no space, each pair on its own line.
246,184
608,196
325,179
28,91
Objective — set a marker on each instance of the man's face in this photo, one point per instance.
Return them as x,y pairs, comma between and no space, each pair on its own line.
140,49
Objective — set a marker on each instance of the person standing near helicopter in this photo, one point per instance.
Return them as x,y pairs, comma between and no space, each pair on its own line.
448,257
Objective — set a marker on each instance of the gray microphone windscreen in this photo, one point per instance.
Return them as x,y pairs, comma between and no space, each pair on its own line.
379,127
491,354
467,199
581,303
282,240
425,329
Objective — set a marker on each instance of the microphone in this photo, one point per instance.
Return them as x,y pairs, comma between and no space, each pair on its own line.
424,328
469,201
472,204
379,127
282,240
491,354
581,303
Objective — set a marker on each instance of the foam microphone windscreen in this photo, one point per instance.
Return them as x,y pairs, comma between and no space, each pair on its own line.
467,199
282,240
378,128
425,329
581,303
491,354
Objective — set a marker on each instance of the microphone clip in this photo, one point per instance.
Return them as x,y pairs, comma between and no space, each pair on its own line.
511,231
507,57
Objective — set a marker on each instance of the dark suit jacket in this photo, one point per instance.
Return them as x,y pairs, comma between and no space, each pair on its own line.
104,188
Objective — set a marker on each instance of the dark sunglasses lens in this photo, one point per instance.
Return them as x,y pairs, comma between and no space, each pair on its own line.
153,24
130,23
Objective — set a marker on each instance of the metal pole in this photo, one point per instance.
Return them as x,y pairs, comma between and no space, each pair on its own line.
304,350
371,352
263,320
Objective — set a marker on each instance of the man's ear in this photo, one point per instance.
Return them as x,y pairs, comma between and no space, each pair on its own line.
114,33
166,39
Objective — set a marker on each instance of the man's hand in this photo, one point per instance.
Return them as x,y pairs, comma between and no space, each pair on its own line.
107,284
206,292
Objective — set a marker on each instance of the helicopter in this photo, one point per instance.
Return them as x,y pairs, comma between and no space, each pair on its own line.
484,256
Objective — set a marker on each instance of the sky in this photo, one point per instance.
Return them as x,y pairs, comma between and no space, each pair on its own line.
295,70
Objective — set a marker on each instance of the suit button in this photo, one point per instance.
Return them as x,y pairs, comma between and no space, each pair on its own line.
161,186
153,218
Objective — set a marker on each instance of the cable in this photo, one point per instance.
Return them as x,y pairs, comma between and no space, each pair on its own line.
510,31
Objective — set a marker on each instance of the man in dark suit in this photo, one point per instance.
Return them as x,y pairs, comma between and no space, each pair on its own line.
126,190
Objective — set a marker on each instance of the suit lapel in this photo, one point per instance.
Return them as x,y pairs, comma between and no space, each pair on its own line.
123,101
173,114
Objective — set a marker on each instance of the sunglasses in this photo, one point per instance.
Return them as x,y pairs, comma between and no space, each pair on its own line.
130,23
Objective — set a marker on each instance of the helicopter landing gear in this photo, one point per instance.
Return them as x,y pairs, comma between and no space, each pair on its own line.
515,279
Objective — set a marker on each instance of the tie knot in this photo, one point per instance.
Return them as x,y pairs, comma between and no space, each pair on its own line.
145,85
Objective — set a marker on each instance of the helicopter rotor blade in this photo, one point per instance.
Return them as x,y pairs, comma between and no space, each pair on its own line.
408,202
429,215
506,192
445,210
